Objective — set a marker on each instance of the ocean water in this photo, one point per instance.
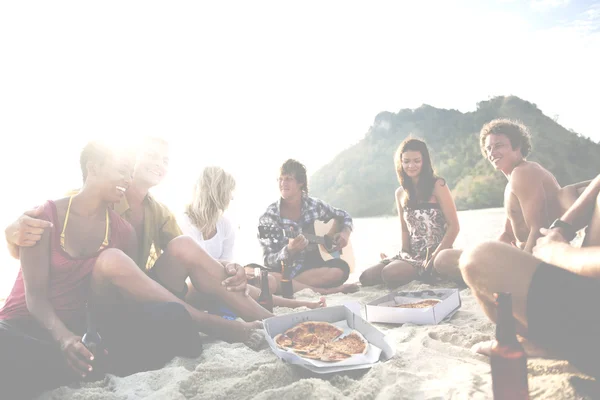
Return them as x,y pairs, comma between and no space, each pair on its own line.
371,236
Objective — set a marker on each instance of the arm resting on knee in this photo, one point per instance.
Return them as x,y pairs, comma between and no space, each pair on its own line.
580,213
584,261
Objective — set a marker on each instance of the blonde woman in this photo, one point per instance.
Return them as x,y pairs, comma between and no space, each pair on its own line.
203,218
204,221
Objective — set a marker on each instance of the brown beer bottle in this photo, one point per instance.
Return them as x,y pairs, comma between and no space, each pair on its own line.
287,287
92,340
507,358
266,298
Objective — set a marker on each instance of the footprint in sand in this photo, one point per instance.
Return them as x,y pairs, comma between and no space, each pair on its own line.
459,338
406,334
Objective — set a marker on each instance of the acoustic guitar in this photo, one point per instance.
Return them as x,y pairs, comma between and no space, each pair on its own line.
322,239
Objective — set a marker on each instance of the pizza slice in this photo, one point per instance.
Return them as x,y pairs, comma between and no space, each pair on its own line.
315,353
324,330
353,343
420,304
307,343
332,355
283,342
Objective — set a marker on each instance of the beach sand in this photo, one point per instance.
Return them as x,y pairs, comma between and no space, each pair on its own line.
431,362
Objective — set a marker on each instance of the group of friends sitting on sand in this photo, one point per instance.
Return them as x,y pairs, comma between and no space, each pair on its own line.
154,279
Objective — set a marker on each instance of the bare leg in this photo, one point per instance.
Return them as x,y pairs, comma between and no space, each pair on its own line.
200,300
493,267
184,257
372,275
115,275
446,264
592,233
398,273
297,286
568,195
321,277
531,349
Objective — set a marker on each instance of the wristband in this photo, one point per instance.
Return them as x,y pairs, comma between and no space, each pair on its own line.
567,228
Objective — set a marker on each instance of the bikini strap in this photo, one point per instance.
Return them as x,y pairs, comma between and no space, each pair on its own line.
62,234
105,242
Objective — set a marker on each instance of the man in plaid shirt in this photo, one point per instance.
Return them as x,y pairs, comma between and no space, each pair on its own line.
295,212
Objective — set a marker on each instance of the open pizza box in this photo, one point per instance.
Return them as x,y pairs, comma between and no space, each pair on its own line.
379,349
384,310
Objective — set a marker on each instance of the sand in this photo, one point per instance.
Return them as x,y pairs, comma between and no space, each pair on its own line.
431,362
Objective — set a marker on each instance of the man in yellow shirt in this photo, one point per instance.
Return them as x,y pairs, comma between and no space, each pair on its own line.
164,253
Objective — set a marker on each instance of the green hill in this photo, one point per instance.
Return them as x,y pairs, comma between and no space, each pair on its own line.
362,179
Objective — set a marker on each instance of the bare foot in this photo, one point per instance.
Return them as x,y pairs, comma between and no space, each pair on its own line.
241,331
256,336
347,288
383,256
484,348
322,303
531,349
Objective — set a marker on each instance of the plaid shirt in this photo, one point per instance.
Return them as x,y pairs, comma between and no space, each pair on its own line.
275,249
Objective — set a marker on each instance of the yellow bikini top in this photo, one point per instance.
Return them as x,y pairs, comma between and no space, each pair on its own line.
62,234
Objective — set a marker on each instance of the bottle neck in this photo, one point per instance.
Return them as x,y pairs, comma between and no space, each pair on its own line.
91,324
506,332
264,281
284,271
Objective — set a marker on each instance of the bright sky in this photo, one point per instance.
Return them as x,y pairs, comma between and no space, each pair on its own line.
248,84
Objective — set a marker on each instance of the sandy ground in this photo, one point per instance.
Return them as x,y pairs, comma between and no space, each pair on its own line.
431,362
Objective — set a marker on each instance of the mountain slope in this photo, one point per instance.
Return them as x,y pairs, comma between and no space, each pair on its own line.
362,179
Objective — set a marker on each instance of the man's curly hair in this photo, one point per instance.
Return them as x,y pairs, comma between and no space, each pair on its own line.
517,133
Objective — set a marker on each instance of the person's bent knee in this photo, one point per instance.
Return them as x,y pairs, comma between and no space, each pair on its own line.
388,273
372,275
337,275
476,260
181,247
364,279
446,260
342,270
112,261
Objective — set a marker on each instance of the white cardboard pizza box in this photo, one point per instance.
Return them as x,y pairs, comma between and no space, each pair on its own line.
382,310
279,324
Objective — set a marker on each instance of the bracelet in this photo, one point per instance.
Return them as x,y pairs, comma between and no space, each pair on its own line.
566,228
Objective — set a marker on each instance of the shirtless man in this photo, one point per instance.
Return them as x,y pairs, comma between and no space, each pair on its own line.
531,195
165,254
532,198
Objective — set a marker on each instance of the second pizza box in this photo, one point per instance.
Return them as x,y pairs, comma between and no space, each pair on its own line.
380,348
386,309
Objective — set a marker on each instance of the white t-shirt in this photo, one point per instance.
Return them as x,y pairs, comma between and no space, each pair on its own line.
220,246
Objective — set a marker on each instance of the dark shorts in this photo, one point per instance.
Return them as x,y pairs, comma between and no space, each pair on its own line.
138,338
314,260
180,294
563,316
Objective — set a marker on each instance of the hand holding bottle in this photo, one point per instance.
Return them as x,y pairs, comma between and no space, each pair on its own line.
78,357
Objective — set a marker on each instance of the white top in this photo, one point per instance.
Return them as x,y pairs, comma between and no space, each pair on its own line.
220,246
